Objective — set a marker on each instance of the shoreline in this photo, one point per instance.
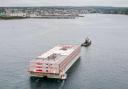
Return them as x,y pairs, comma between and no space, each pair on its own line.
41,17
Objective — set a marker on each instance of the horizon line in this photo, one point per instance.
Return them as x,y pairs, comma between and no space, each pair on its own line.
67,6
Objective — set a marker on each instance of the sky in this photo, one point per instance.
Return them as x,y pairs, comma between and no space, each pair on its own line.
114,3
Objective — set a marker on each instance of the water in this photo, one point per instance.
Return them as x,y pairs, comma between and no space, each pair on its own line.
104,65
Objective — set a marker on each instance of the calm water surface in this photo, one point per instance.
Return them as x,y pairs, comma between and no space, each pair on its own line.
104,65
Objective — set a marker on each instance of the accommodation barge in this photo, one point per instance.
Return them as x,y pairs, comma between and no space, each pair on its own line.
55,62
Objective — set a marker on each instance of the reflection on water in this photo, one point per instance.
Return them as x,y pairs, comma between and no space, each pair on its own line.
46,83
43,83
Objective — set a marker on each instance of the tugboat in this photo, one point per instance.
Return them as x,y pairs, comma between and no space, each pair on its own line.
86,43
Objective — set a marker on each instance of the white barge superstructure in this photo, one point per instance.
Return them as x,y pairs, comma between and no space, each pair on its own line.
55,62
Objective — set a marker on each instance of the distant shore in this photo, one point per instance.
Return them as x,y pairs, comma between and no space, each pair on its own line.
41,17
60,12
15,17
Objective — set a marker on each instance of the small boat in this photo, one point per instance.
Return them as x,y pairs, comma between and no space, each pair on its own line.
86,43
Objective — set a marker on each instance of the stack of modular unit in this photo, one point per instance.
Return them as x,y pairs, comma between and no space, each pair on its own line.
55,62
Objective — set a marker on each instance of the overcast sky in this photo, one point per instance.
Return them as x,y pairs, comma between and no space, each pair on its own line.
115,3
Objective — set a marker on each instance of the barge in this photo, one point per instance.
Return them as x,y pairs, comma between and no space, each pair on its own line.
55,62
